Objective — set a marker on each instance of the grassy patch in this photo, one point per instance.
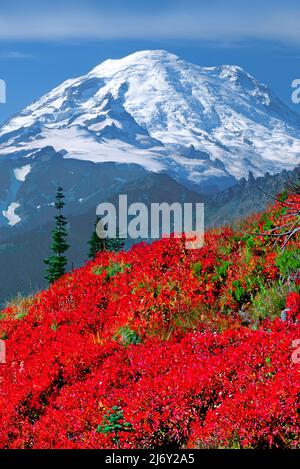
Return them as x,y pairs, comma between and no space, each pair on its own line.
269,302
112,269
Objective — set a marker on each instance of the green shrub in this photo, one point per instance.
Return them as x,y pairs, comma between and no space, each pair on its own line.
221,270
225,249
238,292
127,336
113,424
197,269
268,223
269,302
112,269
288,262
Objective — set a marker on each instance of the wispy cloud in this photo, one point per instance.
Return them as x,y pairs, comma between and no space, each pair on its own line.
218,24
15,55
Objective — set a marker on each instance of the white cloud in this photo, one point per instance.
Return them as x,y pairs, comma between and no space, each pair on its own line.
215,24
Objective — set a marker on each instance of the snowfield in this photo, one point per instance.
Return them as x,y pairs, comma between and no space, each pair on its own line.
22,173
10,214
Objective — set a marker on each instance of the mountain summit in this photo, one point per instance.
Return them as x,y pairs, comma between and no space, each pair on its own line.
204,126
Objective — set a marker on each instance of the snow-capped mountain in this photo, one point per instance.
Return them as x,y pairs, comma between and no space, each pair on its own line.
149,125
204,126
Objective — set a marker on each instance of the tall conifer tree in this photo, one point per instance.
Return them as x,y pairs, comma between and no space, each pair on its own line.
57,261
97,244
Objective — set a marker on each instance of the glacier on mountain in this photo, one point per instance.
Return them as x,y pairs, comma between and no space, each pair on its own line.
200,125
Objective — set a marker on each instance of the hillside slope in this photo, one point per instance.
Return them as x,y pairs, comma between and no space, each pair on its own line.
24,249
192,345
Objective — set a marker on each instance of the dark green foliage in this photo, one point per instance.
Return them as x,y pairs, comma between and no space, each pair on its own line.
114,423
115,244
128,336
98,244
57,261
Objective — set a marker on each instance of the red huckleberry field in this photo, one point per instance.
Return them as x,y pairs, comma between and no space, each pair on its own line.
162,346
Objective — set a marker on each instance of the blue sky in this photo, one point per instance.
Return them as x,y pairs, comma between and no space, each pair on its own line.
44,43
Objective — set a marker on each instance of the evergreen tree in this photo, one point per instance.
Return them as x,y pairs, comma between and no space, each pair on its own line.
114,423
97,244
115,244
57,261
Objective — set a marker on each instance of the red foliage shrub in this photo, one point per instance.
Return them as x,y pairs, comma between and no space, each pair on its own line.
293,305
157,332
